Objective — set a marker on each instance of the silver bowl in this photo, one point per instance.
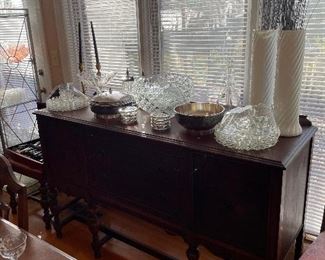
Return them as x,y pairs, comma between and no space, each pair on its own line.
199,116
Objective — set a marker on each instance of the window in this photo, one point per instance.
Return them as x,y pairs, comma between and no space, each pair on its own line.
313,105
200,37
11,4
115,25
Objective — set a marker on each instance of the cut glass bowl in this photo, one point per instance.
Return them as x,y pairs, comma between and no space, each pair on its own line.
248,128
162,93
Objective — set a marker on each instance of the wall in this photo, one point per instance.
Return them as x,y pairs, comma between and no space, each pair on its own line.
49,47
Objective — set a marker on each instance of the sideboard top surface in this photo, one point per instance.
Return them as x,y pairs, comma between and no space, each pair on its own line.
278,156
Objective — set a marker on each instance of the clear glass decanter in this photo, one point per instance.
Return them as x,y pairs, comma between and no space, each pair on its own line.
229,97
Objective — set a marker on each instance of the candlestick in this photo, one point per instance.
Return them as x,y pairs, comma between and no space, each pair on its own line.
95,44
80,45
98,69
81,68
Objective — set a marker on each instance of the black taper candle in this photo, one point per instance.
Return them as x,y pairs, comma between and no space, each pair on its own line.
95,44
80,45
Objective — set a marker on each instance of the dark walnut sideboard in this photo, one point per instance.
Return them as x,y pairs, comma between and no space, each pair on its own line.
240,205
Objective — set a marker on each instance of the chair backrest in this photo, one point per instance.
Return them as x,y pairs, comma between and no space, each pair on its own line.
7,178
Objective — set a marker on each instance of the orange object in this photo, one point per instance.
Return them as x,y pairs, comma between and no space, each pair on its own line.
16,54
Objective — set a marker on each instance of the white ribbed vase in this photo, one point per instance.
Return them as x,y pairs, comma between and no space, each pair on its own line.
263,67
291,51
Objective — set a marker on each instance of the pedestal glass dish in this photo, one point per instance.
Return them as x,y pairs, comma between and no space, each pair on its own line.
97,82
248,128
162,93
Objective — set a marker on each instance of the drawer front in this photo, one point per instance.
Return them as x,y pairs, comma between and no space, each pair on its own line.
232,201
150,176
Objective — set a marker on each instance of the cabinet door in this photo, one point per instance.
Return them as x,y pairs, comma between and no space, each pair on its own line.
232,202
63,148
150,176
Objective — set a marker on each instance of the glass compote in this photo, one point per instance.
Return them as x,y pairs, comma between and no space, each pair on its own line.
98,82
13,245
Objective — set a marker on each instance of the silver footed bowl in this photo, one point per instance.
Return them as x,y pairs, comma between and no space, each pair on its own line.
199,116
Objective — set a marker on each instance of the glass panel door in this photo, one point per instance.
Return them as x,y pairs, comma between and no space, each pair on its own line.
19,88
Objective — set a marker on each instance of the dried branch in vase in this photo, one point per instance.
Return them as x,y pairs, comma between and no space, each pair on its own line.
284,14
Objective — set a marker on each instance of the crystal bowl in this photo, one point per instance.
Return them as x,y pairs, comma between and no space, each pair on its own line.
199,116
162,92
248,128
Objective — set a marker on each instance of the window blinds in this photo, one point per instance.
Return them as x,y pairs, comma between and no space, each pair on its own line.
313,105
199,38
11,4
115,24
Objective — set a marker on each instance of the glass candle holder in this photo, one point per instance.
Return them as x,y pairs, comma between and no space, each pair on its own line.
160,121
128,114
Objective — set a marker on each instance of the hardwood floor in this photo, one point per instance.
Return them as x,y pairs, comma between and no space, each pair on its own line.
76,237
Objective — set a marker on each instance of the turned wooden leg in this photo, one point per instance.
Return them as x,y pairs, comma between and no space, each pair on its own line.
13,202
53,204
93,225
299,244
192,252
45,202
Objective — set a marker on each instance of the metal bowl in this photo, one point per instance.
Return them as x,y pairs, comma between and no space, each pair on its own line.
199,116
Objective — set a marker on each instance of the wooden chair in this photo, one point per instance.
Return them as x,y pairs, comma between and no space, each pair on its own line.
317,249
7,178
